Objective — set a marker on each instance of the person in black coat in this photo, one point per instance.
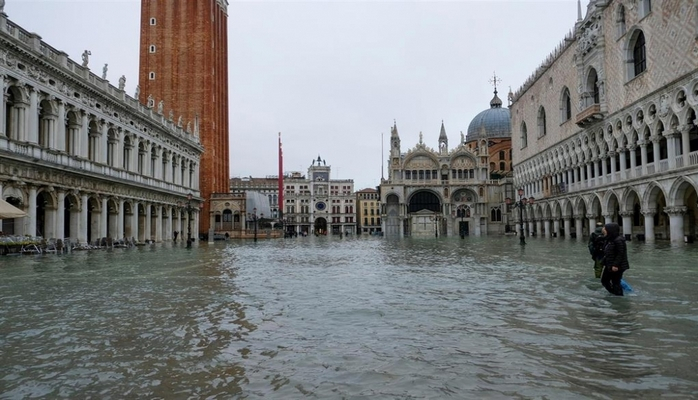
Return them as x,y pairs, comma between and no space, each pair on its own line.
615,259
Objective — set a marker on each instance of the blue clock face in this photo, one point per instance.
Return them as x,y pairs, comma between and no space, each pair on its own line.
320,205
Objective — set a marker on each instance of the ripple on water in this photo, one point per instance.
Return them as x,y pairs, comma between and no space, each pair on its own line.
353,318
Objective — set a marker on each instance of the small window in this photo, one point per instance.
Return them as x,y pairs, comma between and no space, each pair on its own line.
542,129
524,135
151,76
152,48
565,106
152,21
639,54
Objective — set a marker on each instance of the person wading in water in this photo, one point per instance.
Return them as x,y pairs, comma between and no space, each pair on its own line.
597,242
615,259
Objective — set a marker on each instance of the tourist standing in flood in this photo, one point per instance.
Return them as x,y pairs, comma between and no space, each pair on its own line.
615,259
597,243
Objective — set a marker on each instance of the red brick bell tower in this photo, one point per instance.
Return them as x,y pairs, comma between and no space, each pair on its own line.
184,63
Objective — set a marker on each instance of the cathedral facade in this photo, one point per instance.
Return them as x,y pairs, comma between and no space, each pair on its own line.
457,191
83,159
606,129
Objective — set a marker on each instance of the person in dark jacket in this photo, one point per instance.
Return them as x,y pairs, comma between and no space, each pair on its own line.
597,243
615,259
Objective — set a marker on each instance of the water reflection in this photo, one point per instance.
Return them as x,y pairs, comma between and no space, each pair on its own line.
352,318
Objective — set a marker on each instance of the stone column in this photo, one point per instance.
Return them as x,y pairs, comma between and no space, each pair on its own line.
672,150
577,170
60,127
103,143
607,218
546,227
612,158
676,223
597,173
3,101
556,227
30,222
158,224
685,143
623,165
643,157
134,222
82,224
655,149
588,179
531,227
120,220
148,223
21,120
32,133
83,138
60,215
567,221
168,224
48,231
627,223
104,216
649,225
592,222
604,169
633,160
578,227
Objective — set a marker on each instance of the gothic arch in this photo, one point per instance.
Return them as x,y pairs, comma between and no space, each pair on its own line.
678,190
651,194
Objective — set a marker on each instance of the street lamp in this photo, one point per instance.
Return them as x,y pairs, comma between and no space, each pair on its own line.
189,208
254,218
461,212
520,205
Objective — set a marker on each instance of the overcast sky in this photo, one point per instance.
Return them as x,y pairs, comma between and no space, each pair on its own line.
331,76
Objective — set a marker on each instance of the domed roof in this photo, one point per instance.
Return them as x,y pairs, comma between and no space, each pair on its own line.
495,122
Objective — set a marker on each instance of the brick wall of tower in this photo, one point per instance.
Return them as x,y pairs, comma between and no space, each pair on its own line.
190,63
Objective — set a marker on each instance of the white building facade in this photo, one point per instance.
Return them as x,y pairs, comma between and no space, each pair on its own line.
318,204
84,160
606,130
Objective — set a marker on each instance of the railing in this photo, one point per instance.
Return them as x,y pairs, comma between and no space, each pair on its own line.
616,177
679,161
663,165
650,169
638,171
693,158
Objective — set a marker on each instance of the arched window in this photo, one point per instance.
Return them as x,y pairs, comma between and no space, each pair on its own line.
639,55
593,86
565,105
644,8
620,20
541,122
524,135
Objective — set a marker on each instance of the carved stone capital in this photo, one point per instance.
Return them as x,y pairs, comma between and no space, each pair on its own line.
649,213
626,214
673,211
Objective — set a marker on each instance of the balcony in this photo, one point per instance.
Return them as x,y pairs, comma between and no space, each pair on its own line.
588,116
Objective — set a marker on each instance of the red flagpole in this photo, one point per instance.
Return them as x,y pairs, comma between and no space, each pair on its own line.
281,180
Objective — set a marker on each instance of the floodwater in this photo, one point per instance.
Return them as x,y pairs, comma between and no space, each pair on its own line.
353,318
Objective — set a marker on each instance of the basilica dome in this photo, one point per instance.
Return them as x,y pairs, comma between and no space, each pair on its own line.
493,122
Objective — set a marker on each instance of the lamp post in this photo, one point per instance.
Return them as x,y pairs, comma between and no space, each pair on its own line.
520,205
189,196
254,218
461,213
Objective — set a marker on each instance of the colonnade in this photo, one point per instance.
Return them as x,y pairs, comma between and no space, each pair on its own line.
86,217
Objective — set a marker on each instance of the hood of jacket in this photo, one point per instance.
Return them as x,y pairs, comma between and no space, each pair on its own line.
612,231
